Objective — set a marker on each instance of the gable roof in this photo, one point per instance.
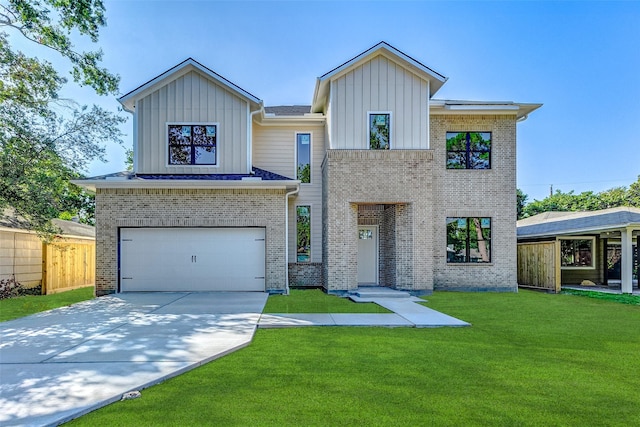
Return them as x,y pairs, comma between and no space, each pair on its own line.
189,64
549,224
383,48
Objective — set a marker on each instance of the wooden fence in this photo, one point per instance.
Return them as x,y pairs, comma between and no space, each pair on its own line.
68,264
539,265
62,265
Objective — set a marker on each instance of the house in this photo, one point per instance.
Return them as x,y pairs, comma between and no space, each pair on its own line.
376,182
66,262
568,248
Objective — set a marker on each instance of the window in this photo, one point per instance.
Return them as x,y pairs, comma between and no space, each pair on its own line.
303,223
468,240
303,163
468,150
193,144
379,131
577,253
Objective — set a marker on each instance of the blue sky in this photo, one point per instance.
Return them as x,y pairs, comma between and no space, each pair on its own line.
580,59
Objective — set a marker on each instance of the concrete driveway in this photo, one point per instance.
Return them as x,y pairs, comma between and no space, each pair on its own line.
57,365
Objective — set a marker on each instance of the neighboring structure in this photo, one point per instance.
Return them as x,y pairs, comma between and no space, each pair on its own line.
374,183
567,248
67,262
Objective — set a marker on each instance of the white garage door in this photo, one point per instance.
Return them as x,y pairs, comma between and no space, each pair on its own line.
192,259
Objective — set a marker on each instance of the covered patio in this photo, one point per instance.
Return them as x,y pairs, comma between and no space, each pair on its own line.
596,248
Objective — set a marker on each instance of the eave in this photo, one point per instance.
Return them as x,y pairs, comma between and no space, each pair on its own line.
248,184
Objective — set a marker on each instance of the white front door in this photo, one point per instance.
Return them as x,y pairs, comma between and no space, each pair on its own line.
368,255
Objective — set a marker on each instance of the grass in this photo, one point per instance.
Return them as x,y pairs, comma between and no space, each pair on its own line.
621,298
316,301
13,308
530,359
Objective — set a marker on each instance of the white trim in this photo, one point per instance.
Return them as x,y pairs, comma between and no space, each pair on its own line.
134,146
218,139
368,125
92,184
310,205
593,252
176,72
295,157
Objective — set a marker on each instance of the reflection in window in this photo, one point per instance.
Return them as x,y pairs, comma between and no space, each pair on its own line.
379,131
303,143
365,234
576,253
468,150
192,144
303,224
468,240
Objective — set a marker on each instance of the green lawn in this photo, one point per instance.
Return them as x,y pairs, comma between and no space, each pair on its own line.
530,359
316,301
13,308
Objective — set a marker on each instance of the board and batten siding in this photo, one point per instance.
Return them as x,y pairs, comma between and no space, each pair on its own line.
384,86
192,98
274,149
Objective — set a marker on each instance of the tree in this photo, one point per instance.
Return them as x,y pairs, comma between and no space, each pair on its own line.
44,140
521,200
585,201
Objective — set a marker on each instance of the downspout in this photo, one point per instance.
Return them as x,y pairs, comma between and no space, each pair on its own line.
286,237
250,138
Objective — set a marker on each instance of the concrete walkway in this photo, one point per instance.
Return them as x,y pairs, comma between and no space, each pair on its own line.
60,364
406,312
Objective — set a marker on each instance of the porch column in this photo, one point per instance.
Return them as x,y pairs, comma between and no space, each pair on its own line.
627,260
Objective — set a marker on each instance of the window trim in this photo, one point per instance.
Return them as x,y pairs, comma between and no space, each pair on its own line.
167,145
467,151
310,206
295,171
594,251
467,249
368,126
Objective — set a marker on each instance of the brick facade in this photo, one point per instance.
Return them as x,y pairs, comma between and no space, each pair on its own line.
477,193
305,274
116,208
362,181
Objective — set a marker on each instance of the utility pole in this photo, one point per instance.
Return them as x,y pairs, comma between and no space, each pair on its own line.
551,190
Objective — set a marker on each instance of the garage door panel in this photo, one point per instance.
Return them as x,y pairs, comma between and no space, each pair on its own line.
192,259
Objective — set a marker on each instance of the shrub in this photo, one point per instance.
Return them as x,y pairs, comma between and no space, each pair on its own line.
9,288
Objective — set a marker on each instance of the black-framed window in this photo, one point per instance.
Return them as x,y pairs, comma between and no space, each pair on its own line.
303,162
303,233
379,131
468,150
468,240
577,253
193,144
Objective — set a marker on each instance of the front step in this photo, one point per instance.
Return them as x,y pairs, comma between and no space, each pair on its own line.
367,293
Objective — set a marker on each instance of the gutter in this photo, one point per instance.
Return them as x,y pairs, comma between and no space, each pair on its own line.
286,238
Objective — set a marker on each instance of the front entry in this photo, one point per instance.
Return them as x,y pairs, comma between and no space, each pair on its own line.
368,255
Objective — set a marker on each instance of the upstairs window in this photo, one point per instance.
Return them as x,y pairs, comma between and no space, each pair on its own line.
193,144
468,150
468,240
379,131
303,162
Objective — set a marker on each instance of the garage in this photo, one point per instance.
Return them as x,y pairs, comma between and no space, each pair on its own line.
192,259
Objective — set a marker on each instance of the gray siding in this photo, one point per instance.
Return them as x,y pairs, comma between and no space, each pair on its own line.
379,85
192,98
274,149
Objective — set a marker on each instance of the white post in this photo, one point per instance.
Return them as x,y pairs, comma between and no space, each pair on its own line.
627,261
